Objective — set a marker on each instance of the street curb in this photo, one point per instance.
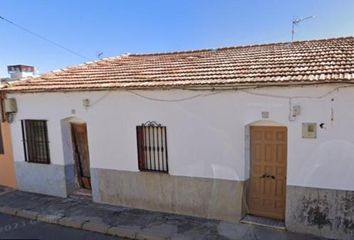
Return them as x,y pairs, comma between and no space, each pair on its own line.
27,214
96,227
84,224
6,190
8,210
125,232
72,222
53,219
142,235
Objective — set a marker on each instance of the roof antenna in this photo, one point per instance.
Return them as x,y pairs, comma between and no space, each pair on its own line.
99,55
295,22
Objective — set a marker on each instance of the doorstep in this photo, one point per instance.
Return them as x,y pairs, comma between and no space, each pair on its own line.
264,222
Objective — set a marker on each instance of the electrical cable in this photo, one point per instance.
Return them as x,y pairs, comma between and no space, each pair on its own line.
213,92
297,97
245,91
173,100
44,38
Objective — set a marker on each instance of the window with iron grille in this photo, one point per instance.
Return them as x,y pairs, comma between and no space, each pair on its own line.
152,147
35,141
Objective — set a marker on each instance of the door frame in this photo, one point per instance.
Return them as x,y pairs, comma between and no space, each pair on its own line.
77,163
261,123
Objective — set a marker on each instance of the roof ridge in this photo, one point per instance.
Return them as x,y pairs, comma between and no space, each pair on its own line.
89,63
289,64
112,58
238,46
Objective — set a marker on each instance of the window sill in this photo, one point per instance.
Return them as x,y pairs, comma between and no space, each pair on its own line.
155,172
37,163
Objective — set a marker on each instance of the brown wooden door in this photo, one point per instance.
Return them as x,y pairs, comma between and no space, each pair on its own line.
81,152
266,193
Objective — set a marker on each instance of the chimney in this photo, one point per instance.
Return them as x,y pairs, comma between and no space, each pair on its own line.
20,71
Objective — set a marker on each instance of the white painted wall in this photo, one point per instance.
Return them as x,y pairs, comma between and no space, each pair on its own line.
206,135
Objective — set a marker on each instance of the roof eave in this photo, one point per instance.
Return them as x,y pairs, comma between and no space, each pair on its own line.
233,86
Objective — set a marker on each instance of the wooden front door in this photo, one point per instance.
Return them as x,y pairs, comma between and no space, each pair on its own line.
81,153
267,187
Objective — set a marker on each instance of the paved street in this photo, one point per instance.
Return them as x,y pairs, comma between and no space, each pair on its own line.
20,228
133,223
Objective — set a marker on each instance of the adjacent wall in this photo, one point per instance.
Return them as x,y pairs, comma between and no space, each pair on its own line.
205,134
7,168
202,197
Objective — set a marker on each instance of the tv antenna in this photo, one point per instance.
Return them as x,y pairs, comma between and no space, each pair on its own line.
296,22
99,55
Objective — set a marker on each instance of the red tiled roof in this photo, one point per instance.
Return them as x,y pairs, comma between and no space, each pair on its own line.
303,62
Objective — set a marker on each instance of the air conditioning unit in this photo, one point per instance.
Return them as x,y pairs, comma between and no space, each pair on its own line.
10,105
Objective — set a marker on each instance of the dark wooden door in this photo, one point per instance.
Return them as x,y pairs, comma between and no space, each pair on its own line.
81,152
266,193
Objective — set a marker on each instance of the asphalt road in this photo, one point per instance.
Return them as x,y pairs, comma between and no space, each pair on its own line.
19,228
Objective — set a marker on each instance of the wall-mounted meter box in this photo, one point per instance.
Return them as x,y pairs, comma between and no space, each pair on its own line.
296,110
10,105
309,130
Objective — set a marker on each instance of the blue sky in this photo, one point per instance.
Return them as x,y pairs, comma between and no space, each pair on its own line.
115,27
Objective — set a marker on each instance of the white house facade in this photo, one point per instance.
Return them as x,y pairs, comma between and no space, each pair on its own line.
218,151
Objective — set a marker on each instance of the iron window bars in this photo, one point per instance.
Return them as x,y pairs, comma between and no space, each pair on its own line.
152,147
35,141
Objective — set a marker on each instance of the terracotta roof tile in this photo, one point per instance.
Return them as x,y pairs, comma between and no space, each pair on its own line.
316,61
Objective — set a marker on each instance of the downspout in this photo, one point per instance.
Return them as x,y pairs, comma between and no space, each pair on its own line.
2,98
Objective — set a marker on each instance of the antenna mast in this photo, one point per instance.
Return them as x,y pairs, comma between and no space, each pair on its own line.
295,22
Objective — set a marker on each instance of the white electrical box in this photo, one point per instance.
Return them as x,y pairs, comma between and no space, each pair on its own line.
10,105
265,115
296,110
309,130
86,102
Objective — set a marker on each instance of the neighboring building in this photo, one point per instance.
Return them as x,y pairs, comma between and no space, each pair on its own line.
263,129
20,71
7,168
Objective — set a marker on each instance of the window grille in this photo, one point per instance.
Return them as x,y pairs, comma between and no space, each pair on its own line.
35,141
152,147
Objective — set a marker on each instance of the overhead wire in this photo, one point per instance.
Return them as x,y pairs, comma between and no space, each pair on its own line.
173,100
44,38
297,96
214,92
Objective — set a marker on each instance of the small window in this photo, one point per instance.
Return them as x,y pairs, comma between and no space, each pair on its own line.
35,141
152,147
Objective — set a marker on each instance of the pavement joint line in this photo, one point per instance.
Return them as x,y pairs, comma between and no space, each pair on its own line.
82,224
60,218
110,226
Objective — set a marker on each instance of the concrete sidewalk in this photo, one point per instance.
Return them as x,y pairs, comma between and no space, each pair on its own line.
128,222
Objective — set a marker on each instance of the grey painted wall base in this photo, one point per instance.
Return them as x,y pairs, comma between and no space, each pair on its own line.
323,212
50,179
209,198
